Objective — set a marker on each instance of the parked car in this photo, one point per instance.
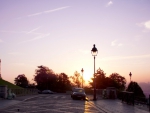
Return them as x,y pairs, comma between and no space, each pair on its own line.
47,92
39,92
78,93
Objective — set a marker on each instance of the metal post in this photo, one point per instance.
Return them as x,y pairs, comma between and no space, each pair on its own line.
82,76
82,80
94,98
149,103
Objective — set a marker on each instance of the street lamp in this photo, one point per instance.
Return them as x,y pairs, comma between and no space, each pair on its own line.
130,74
94,53
82,76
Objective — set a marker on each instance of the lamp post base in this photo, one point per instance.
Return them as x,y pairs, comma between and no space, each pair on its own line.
94,99
94,96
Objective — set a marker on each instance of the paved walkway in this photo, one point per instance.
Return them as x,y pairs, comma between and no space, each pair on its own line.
108,105
6,102
116,106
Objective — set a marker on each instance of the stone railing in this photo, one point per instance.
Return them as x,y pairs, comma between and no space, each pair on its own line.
22,92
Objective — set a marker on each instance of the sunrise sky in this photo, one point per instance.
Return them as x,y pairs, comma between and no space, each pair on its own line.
60,34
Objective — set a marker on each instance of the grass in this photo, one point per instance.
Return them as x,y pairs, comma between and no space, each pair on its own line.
8,84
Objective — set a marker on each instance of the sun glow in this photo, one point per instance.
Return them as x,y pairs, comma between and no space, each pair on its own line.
87,76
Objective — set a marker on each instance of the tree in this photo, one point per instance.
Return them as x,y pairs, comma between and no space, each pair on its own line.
134,87
99,79
77,79
63,82
22,81
45,78
119,81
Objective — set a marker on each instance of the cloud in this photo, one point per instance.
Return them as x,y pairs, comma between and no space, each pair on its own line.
48,11
114,43
120,44
125,57
35,14
33,30
37,38
26,32
84,51
4,31
147,24
109,3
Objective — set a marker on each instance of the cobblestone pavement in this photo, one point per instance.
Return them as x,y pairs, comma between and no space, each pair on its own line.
116,106
62,103
54,103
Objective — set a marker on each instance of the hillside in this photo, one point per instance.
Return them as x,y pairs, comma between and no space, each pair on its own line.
9,85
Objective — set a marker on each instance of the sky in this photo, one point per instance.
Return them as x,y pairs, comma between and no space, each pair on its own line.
60,34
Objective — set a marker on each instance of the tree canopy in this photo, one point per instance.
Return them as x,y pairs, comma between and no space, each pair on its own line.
119,81
45,78
22,81
134,87
77,79
114,80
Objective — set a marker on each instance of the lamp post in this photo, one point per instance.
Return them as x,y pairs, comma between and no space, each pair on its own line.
130,74
82,76
94,53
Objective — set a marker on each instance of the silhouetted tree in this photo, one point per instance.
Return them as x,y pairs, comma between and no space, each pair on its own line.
77,79
119,81
99,79
63,82
45,78
22,81
114,80
134,87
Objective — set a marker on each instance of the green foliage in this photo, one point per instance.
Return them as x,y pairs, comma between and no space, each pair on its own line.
8,84
22,81
134,87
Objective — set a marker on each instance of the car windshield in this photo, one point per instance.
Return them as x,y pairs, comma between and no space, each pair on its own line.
79,90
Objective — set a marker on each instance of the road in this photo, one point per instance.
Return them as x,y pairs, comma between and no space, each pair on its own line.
53,103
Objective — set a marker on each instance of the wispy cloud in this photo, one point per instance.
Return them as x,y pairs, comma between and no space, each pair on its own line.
5,31
37,38
109,3
35,14
84,51
48,11
33,30
115,43
25,32
145,24
124,57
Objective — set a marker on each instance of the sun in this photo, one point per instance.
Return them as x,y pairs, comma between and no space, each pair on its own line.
87,76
